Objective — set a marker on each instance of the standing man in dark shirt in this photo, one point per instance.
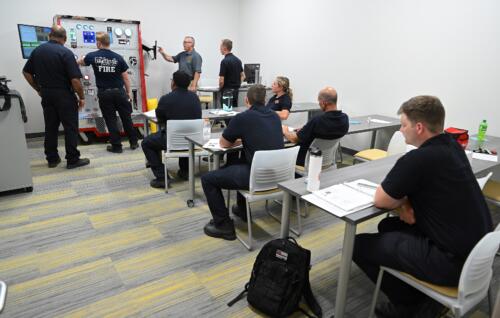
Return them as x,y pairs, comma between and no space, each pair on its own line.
258,128
189,61
332,124
442,214
53,73
179,104
113,84
231,71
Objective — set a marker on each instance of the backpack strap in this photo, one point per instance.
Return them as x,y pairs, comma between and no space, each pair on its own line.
239,297
310,300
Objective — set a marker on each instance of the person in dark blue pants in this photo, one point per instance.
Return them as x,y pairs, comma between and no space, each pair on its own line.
258,128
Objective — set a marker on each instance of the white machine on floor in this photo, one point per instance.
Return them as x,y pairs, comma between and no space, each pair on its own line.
15,170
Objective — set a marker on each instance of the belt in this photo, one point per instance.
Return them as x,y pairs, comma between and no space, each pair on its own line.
110,89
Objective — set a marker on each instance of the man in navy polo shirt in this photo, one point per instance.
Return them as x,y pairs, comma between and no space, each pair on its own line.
258,128
442,214
53,73
110,70
332,124
231,71
189,61
178,104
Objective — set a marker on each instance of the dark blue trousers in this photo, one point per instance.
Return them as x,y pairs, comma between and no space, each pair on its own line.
232,177
403,247
60,106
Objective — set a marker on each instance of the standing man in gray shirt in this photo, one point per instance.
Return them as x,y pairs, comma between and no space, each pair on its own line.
189,61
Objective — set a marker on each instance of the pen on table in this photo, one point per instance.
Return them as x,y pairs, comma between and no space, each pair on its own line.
369,186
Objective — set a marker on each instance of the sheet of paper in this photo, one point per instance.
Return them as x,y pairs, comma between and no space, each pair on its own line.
291,129
150,113
363,185
221,112
330,208
379,121
344,197
214,144
484,156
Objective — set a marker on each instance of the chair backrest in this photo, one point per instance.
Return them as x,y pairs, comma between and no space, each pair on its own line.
177,130
296,120
482,181
328,149
397,144
477,271
270,167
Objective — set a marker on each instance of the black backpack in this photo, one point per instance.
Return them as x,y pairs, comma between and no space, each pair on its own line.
280,277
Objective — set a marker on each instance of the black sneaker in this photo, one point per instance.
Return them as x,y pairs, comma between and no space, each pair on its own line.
114,149
81,162
53,164
390,310
224,231
184,175
431,308
134,146
241,214
157,183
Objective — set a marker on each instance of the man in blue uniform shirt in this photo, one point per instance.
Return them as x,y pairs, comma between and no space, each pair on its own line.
231,72
332,124
53,73
442,214
258,128
189,61
179,104
113,86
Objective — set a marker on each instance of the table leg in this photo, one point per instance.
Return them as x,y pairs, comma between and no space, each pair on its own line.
216,161
285,214
146,126
345,269
190,201
216,99
374,136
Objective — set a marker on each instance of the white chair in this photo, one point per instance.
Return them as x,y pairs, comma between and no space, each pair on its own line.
177,145
269,167
397,145
474,280
3,294
482,181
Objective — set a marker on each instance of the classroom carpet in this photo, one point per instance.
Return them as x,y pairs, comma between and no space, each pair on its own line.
98,241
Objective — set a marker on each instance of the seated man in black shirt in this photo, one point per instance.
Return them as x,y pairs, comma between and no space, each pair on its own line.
178,104
258,128
442,214
332,124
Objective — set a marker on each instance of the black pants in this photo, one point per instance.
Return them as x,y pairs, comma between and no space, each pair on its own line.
235,92
232,177
152,146
110,102
60,106
402,247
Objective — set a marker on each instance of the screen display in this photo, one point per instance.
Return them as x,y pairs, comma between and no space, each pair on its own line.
88,37
250,70
32,36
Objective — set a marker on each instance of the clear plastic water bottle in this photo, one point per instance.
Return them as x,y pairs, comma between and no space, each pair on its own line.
227,100
207,130
481,134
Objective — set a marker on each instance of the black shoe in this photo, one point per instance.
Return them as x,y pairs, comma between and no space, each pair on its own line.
157,183
224,231
184,175
81,162
390,310
134,146
241,214
430,308
53,164
114,149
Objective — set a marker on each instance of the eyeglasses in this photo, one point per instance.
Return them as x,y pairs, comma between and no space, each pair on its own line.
187,42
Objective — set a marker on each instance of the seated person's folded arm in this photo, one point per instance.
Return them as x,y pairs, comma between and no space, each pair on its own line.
283,114
385,201
224,143
289,135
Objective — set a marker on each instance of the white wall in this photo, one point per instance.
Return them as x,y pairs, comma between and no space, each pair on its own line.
166,21
379,53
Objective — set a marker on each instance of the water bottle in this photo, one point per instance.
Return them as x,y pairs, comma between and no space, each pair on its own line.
314,169
227,100
207,130
481,134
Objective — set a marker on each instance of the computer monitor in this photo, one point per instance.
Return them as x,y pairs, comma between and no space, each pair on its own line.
250,70
31,36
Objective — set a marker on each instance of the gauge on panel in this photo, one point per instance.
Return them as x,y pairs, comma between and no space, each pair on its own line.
118,31
128,32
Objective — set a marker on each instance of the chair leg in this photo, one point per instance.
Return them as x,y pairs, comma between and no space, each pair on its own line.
491,301
249,223
375,294
299,219
166,176
294,231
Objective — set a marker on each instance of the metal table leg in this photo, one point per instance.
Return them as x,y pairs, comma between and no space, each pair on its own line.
216,161
285,214
190,201
374,136
345,269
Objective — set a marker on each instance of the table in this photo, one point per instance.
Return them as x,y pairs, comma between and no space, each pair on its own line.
217,93
374,171
361,124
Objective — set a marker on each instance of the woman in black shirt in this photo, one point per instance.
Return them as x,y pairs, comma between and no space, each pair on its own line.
281,102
